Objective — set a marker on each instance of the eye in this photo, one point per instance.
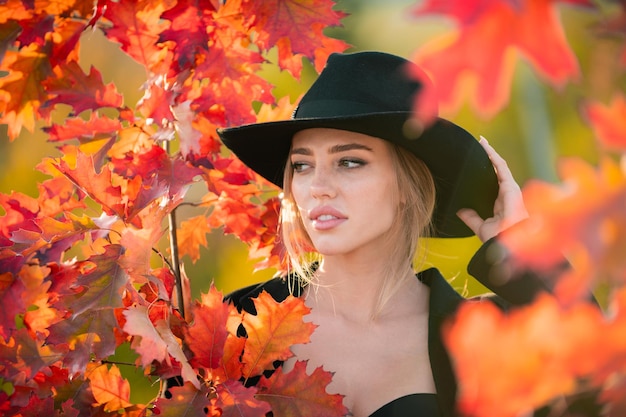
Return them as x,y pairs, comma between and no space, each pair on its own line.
299,166
351,163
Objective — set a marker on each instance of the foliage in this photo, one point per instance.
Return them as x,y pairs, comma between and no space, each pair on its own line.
78,276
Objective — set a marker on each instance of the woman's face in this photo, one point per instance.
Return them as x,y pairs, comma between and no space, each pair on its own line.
343,186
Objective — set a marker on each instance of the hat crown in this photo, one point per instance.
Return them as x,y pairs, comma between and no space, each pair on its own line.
360,83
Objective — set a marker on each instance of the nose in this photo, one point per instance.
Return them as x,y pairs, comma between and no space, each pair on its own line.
322,183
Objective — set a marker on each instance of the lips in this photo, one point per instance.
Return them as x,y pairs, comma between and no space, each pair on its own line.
326,218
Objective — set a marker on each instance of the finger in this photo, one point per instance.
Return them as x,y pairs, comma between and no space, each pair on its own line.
502,168
471,218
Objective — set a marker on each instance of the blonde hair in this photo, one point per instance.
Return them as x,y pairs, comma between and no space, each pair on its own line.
414,195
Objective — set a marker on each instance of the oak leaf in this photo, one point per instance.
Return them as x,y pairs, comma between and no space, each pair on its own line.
109,388
272,331
192,236
297,394
207,334
137,26
81,91
484,49
23,88
186,401
235,400
294,26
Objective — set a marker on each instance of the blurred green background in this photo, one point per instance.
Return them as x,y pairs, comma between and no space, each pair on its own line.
539,126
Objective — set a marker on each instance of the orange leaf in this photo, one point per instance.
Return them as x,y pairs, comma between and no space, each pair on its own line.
272,331
296,394
109,388
192,236
22,92
609,123
529,356
483,49
583,219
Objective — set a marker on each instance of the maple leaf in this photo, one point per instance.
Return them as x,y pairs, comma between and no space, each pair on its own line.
483,48
609,122
294,26
109,388
297,394
207,335
23,88
272,331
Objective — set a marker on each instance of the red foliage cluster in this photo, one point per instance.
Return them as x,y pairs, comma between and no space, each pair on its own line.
75,285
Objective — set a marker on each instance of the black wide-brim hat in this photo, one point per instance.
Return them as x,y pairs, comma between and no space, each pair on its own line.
372,93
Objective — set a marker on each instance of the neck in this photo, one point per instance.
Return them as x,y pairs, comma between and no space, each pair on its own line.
352,288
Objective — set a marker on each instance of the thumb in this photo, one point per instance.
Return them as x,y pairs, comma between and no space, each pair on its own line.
471,219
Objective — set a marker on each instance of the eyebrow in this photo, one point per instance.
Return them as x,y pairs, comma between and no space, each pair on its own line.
333,149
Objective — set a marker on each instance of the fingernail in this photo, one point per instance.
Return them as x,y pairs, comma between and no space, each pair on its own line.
483,138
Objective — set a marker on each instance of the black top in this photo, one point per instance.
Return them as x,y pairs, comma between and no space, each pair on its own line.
414,405
444,301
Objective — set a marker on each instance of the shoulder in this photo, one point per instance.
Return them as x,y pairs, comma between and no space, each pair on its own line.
279,288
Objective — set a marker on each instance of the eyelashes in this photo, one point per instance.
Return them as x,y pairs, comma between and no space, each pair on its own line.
344,163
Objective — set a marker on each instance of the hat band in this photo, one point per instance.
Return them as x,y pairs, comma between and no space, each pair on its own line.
336,108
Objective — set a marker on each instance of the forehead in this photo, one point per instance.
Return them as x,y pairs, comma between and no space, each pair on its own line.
323,139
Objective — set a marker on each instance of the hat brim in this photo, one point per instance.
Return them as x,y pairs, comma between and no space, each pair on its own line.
464,176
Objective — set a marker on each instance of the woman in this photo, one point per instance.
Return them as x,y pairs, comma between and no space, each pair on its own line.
361,186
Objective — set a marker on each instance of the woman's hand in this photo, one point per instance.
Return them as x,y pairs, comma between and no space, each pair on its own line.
509,206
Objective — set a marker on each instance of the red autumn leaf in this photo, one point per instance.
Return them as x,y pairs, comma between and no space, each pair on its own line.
207,335
609,123
137,27
186,401
23,88
295,27
34,30
12,303
191,21
235,400
272,331
489,34
97,127
65,42
82,92
156,342
33,355
529,356
98,186
109,388
156,103
297,394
